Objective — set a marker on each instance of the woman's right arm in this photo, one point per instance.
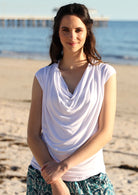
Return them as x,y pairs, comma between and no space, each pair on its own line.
36,144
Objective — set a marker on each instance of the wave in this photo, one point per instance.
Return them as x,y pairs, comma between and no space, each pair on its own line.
121,57
24,55
131,42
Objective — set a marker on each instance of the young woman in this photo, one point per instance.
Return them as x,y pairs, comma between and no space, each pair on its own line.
72,112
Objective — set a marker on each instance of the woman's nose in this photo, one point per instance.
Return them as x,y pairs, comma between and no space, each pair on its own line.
72,35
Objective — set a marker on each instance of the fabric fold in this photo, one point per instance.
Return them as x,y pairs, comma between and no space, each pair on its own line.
69,120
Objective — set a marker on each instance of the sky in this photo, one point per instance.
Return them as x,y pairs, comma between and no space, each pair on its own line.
115,10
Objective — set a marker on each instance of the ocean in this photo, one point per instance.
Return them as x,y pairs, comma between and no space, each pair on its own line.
117,43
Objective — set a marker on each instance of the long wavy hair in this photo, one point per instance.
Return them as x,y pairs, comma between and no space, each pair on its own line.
56,48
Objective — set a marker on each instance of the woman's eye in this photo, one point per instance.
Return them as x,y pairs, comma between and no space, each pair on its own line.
65,30
78,30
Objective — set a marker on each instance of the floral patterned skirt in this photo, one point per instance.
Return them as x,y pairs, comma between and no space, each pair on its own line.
95,185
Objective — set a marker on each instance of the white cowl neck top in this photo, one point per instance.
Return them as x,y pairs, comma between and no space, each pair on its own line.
69,120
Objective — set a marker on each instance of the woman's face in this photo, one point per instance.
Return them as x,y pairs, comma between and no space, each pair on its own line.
72,33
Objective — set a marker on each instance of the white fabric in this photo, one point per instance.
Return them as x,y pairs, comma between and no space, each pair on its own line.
69,120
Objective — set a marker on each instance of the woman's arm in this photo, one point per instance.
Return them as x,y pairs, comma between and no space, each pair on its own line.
105,130
36,144
97,141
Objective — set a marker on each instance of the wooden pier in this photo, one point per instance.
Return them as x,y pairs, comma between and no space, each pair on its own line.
30,21
25,21
101,21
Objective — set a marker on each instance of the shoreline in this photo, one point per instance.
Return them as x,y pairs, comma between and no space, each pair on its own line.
119,62
16,77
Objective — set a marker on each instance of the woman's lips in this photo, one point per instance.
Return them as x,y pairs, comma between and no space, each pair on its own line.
72,44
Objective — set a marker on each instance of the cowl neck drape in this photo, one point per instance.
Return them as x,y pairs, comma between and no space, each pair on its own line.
69,120
65,84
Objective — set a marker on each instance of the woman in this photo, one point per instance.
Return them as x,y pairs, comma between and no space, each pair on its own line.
72,112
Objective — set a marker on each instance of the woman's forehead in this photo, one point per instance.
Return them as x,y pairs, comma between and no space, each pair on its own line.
71,21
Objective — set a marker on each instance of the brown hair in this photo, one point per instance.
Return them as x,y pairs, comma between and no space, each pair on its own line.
79,10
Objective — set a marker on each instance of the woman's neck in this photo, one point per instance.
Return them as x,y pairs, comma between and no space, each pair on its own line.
70,62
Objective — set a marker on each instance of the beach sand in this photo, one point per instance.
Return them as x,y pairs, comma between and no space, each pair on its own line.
121,154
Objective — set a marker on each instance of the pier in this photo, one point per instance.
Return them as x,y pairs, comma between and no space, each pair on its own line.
30,21
101,21
25,21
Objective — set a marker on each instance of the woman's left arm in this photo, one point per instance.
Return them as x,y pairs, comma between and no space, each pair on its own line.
105,130
98,140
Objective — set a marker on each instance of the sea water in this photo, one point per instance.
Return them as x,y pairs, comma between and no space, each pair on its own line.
117,43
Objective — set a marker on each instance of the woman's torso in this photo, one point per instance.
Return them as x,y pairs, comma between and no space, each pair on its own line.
70,119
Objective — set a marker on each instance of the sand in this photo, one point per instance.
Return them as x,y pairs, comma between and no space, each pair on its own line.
121,154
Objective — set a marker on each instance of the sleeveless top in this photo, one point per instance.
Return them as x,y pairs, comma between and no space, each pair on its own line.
69,120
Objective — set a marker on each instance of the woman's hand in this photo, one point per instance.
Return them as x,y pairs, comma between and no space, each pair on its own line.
59,188
52,171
